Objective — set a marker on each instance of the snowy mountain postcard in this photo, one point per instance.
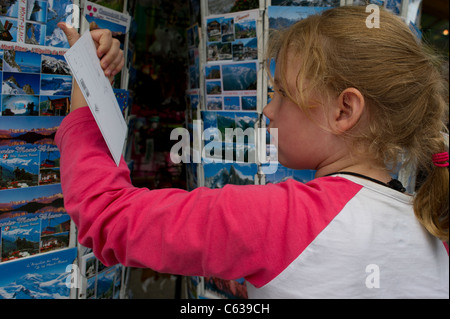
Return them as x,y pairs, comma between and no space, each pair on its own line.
231,87
282,174
21,61
20,83
17,133
28,156
239,76
217,175
54,84
39,277
19,169
33,221
57,11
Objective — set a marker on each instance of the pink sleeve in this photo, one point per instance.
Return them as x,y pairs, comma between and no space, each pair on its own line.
233,232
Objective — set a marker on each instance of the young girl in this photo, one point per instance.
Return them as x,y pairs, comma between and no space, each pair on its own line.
350,102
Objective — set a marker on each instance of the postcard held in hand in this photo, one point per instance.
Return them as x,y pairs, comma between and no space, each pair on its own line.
87,71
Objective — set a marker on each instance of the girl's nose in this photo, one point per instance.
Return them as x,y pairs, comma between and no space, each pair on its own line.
268,110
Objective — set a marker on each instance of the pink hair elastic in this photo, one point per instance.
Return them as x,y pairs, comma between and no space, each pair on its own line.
440,159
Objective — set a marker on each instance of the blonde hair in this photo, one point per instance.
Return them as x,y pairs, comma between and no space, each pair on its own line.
401,83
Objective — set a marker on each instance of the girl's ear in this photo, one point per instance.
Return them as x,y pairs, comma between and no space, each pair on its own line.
348,110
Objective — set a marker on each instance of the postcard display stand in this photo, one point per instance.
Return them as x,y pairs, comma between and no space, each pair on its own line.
227,88
40,256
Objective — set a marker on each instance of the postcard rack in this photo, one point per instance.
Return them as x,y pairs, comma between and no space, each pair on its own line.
40,256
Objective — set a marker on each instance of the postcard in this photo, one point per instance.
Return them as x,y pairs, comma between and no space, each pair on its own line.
35,33
44,276
225,289
21,61
18,133
217,175
220,6
37,11
28,156
282,174
85,66
231,86
281,17
57,11
20,83
33,220
9,28
112,4
100,17
19,169
55,84
31,200
100,282
232,37
10,8
306,3
35,80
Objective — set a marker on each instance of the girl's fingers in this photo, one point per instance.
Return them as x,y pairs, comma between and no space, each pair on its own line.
70,32
108,48
103,39
116,65
109,52
112,60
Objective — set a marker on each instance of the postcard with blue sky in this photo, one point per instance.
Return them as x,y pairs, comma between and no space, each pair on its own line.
44,276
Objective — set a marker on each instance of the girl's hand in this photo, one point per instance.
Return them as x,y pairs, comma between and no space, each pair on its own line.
108,48
108,51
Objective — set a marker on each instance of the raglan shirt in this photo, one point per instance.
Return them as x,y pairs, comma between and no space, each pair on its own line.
334,237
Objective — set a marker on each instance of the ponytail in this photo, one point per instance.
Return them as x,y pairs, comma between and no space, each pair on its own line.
431,202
